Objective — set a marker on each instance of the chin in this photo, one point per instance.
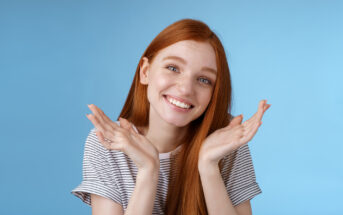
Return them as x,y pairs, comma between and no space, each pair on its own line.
177,122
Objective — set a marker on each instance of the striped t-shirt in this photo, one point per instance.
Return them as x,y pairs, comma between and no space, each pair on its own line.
112,174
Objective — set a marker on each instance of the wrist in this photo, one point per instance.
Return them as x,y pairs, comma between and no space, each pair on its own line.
150,165
150,171
206,167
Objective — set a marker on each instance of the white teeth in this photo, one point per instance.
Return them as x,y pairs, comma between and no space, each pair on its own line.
178,103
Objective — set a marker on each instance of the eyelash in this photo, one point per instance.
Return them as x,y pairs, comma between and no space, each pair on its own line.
207,80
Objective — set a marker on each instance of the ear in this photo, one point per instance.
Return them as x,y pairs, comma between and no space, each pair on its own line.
144,71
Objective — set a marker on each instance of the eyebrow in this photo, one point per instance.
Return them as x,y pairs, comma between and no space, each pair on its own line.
205,68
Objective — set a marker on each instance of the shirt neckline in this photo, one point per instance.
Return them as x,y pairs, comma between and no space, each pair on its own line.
164,155
168,154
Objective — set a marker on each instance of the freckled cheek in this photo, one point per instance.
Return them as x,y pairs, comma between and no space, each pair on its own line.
162,82
204,99
157,86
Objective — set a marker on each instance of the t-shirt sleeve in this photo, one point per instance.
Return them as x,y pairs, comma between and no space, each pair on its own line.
239,176
97,172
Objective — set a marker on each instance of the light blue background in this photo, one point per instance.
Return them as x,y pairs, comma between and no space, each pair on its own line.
58,56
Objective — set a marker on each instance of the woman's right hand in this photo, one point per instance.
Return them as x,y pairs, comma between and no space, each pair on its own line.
123,137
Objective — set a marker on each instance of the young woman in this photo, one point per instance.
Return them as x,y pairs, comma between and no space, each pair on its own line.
175,148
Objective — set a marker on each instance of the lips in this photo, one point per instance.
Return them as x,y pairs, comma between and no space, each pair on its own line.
180,100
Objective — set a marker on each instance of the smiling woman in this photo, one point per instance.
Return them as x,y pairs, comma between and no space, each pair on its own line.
178,78
175,148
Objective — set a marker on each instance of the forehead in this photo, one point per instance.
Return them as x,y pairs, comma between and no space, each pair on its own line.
200,54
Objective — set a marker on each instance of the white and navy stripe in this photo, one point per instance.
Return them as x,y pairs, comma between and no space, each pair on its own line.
112,174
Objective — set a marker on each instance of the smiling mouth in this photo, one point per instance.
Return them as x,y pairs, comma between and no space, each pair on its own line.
178,103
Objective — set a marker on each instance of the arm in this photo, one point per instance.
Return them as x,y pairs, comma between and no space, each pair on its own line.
216,197
216,146
124,138
104,206
141,201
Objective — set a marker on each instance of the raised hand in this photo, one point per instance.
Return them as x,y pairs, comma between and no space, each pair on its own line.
123,137
225,140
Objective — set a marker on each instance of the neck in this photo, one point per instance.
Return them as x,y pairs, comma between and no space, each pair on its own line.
164,136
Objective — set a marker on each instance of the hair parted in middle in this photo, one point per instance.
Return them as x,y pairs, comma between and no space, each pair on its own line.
185,194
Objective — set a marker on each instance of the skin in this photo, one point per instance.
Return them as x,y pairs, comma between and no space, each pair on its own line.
187,80
225,140
217,145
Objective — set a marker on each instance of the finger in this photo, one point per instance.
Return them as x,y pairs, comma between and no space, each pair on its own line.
105,131
95,122
103,115
254,117
124,123
95,111
236,144
250,122
237,130
100,136
260,110
103,118
250,133
97,114
249,127
266,107
102,139
253,131
115,125
110,141
100,114
257,116
235,121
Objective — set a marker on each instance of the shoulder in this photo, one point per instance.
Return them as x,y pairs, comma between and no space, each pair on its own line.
96,152
239,175
237,168
93,144
240,154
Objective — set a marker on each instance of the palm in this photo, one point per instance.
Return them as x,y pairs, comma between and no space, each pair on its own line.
227,139
124,138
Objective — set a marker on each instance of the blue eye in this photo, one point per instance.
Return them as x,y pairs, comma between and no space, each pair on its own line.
205,81
172,68
202,80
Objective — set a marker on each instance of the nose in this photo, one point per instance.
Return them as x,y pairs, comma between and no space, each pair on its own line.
186,85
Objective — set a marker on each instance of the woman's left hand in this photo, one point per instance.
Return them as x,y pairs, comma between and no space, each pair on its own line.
225,140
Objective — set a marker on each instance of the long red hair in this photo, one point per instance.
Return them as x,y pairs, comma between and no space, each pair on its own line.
185,194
